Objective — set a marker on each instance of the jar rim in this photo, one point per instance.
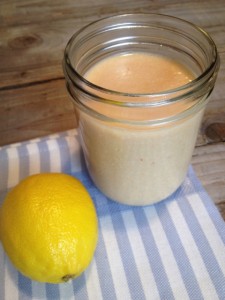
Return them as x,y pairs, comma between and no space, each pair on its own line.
186,87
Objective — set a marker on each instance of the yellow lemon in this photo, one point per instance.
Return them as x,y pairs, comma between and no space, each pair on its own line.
48,227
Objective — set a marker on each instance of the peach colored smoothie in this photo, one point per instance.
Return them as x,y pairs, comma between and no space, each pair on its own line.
144,165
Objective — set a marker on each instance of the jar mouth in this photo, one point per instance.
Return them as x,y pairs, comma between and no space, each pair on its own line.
158,34
150,99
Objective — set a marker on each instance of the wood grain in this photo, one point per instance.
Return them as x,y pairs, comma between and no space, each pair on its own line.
34,33
209,164
33,98
35,110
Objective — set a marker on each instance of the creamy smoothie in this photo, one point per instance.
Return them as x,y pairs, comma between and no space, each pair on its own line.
139,73
138,165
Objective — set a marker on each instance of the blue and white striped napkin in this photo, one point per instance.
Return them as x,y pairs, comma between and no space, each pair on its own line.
171,250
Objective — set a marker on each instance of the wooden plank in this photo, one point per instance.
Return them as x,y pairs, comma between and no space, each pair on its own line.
34,33
209,165
43,108
36,110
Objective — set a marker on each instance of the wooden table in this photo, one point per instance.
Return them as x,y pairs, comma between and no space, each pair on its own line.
33,98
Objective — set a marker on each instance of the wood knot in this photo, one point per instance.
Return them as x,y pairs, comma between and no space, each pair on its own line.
24,42
216,132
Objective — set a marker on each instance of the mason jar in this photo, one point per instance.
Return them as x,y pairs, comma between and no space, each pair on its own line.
138,146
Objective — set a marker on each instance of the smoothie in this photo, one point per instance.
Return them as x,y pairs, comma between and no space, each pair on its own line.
139,73
133,164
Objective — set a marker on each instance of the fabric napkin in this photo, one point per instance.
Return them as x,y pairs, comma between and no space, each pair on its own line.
172,250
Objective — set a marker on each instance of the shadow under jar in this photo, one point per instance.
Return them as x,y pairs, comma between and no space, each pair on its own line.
138,145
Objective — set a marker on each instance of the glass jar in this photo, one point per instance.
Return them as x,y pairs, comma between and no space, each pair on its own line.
133,159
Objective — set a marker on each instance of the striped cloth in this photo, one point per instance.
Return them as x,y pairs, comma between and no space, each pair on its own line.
171,250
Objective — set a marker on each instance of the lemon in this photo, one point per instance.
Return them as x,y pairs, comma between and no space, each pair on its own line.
49,227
